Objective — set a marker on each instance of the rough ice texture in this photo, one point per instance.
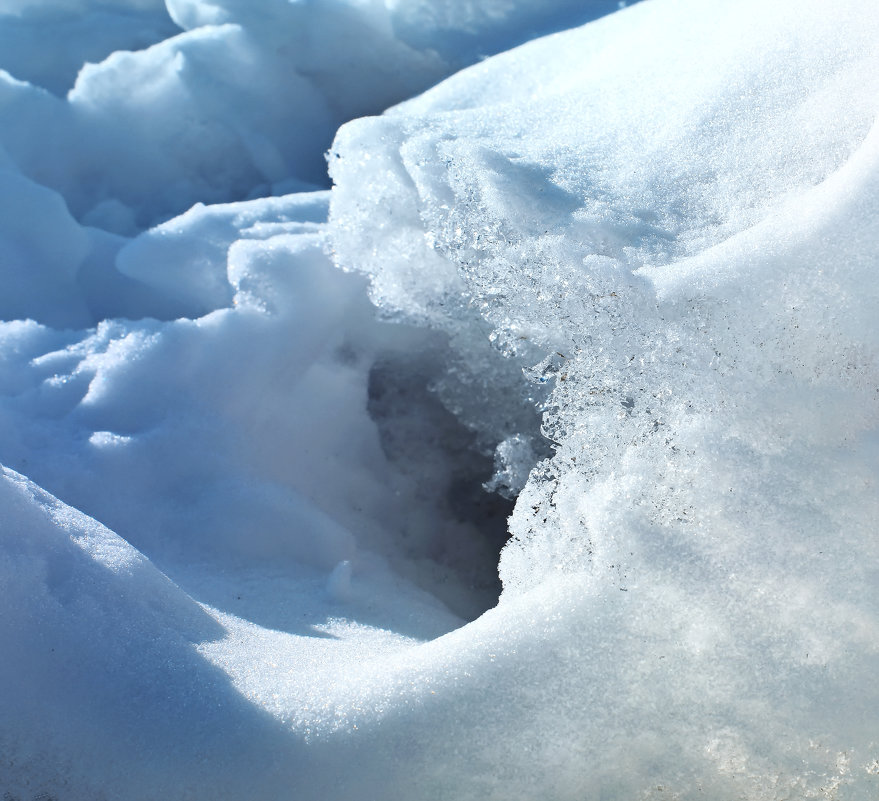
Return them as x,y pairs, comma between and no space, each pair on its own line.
670,216
659,229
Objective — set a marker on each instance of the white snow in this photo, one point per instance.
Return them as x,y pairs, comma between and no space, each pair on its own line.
251,525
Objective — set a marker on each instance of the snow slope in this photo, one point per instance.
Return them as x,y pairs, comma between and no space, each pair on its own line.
133,111
629,268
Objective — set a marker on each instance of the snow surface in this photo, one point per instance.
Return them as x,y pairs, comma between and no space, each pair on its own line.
625,275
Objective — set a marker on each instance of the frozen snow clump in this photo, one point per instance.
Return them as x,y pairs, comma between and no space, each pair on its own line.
669,218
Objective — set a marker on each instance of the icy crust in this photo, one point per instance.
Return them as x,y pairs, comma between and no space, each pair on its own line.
669,218
579,227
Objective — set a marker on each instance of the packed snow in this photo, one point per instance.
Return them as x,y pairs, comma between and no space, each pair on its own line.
535,458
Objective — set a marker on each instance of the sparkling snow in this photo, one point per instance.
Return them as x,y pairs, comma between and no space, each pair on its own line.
260,439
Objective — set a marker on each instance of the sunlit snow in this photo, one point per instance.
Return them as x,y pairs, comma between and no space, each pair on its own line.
518,441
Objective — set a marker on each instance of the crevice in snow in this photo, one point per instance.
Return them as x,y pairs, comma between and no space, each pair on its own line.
451,540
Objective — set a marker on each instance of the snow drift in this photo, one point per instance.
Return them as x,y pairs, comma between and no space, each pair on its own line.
625,274
672,236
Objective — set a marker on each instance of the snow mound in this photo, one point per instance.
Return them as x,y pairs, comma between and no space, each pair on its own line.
628,268
133,111
95,638
46,42
668,219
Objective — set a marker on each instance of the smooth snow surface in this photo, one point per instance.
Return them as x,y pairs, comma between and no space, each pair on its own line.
625,276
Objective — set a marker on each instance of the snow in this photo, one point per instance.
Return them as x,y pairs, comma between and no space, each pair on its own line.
260,439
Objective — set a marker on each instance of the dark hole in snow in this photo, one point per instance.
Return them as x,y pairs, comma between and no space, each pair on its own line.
451,540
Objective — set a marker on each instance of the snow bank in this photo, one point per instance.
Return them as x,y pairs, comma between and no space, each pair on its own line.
97,663
242,102
179,434
198,412
110,687
667,216
46,42
632,262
